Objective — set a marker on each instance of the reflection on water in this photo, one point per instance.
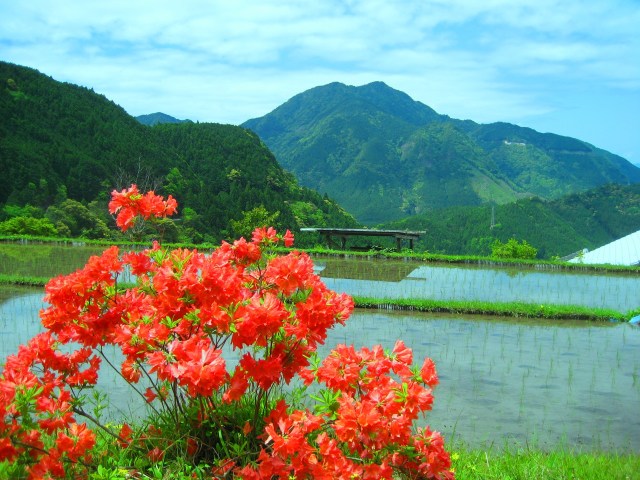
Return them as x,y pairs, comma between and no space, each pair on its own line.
43,259
550,383
365,269
19,319
19,322
392,279
569,383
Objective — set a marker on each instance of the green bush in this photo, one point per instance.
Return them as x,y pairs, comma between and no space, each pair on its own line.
513,249
28,226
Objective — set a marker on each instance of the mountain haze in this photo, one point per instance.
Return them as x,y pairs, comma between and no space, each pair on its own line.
384,156
152,119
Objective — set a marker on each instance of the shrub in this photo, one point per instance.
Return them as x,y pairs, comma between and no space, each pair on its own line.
41,227
513,249
174,328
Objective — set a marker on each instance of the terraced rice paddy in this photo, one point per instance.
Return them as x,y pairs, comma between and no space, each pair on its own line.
548,383
395,279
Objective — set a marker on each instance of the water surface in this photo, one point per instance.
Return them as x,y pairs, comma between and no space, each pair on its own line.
396,279
502,380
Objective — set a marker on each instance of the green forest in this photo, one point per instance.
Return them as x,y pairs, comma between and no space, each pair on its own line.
64,148
556,228
384,156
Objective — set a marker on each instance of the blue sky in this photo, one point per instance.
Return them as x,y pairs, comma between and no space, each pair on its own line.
570,67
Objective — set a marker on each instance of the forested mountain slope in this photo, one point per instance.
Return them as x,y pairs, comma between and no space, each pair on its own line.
384,156
555,227
63,148
152,119
63,142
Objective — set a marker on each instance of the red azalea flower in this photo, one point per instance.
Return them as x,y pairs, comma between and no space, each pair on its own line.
130,203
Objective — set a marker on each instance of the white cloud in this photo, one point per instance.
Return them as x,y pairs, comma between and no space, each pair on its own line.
228,61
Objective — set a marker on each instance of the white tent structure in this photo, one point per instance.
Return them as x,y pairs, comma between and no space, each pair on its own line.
624,251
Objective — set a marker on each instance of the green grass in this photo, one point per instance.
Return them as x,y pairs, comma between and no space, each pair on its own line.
532,464
525,310
99,242
469,464
492,308
7,279
512,463
321,251
537,264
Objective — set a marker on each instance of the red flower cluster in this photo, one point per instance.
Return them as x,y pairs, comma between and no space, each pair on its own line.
130,203
173,328
38,425
365,431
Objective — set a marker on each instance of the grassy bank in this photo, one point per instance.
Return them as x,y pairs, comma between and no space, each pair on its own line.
106,242
535,264
525,310
513,464
493,308
405,255
532,464
7,279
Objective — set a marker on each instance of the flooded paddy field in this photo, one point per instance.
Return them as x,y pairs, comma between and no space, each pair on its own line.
398,279
502,380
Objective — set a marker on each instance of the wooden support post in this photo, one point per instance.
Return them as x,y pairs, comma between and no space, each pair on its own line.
330,242
331,235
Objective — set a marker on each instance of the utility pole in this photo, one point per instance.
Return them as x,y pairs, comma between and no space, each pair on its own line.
493,217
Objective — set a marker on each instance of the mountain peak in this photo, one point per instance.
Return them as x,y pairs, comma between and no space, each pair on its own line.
339,100
385,156
380,87
152,119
